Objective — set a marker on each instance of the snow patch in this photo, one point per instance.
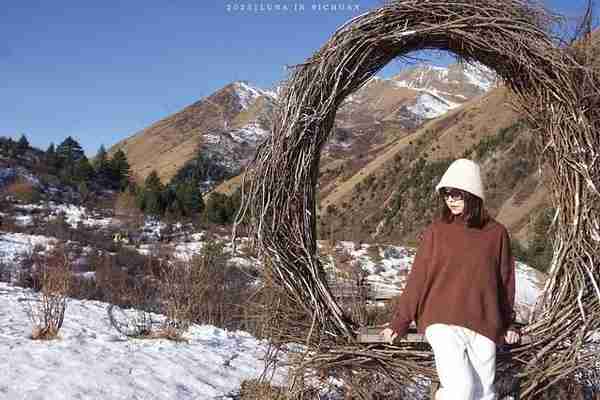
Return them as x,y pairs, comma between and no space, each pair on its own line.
429,106
75,215
91,361
14,245
479,75
251,133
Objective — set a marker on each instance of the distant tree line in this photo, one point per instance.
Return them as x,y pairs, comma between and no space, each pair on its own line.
181,197
69,162
14,149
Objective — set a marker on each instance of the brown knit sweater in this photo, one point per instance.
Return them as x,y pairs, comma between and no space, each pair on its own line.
460,276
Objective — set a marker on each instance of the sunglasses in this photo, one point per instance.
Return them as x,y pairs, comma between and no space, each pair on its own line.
455,194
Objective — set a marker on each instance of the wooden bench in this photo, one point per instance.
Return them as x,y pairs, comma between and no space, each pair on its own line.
370,335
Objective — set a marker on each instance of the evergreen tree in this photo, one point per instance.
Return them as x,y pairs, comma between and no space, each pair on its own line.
186,199
50,158
68,153
153,195
102,167
203,167
22,145
83,170
69,150
216,208
221,209
11,147
51,151
120,169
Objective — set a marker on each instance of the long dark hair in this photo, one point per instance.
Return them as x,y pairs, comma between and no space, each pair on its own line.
475,215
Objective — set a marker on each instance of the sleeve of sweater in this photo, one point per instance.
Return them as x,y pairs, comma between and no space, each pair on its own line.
406,310
507,273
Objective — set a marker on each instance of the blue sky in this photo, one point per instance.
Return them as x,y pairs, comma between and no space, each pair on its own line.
102,70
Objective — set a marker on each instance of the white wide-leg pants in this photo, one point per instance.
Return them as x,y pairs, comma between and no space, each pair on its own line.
465,363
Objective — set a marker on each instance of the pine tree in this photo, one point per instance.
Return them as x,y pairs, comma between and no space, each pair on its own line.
188,199
51,151
83,170
153,195
50,158
22,145
152,182
120,169
102,167
68,153
220,208
69,150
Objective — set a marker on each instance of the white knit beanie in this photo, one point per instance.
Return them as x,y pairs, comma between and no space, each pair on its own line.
465,175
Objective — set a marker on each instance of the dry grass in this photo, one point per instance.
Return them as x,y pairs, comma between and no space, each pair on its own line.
253,389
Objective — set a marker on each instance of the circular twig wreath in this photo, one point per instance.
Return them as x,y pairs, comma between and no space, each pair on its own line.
556,87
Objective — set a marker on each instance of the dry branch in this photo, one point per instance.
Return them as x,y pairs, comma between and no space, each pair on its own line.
555,86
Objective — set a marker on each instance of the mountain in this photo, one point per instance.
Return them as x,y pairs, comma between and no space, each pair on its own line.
230,122
235,119
384,111
386,132
390,198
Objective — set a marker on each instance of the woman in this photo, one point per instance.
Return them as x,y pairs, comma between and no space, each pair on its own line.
460,290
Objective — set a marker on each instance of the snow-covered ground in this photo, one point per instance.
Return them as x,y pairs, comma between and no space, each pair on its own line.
91,360
73,214
13,246
386,270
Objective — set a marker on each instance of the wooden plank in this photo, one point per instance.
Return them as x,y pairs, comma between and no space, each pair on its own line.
380,296
409,338
370,334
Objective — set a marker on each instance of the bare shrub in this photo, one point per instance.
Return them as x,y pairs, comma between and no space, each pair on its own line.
348,284
126,208
135,302
52,276
135,297
5,272
178,291
221,289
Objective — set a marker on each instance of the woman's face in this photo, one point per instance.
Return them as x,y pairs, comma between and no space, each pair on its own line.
454,199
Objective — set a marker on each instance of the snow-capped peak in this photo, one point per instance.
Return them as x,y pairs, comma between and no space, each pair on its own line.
426,77
479,75
248,94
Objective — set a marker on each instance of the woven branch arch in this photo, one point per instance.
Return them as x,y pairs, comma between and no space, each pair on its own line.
555,86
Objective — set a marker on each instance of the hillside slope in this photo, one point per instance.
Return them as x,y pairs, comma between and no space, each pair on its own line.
391,198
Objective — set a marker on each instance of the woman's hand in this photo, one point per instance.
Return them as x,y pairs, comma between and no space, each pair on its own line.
512,337
389,335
